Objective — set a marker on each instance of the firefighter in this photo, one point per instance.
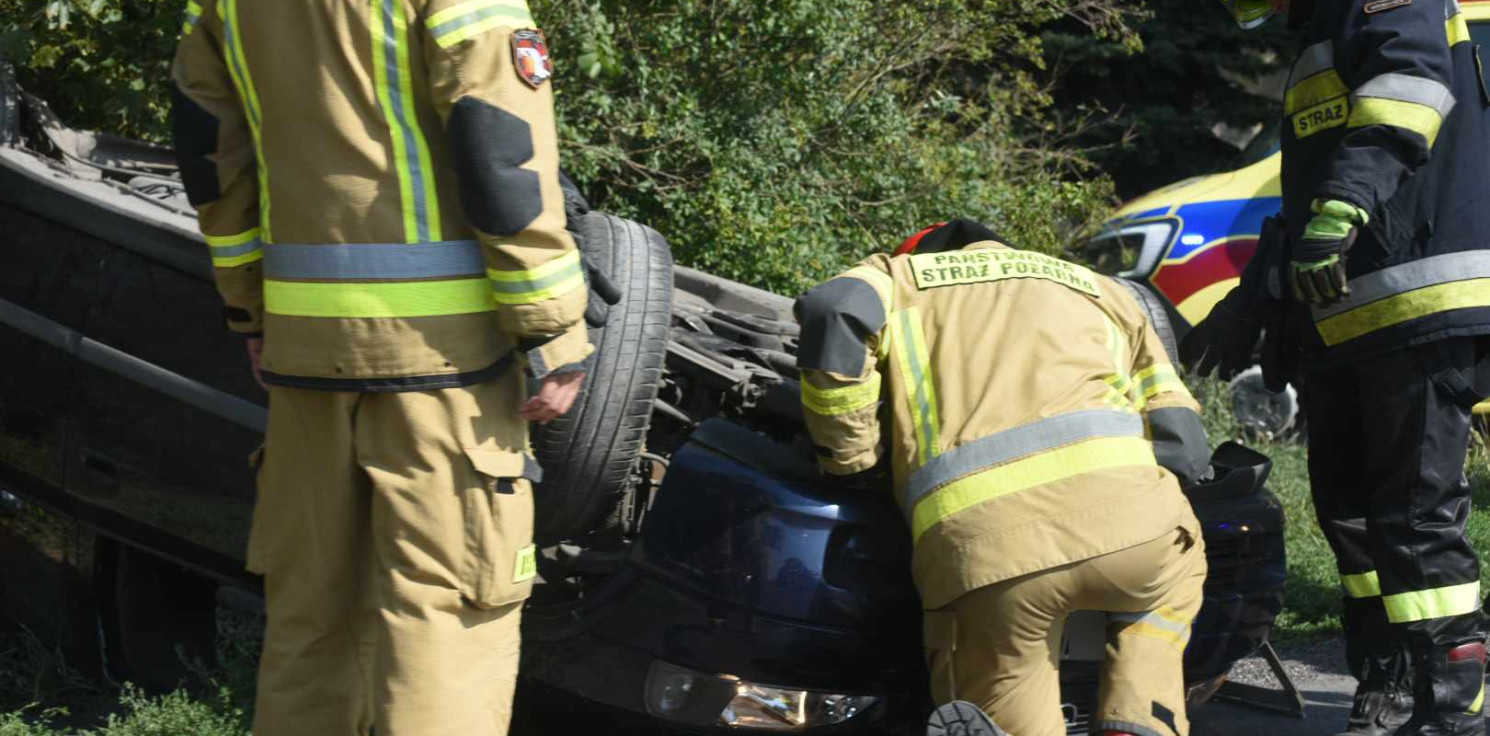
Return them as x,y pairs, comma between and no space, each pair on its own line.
378,186
1383,270
1037,439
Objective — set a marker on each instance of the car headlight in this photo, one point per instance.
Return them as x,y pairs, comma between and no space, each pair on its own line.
1129,250
680,694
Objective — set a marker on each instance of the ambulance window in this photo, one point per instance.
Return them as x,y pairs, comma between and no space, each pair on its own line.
1479,35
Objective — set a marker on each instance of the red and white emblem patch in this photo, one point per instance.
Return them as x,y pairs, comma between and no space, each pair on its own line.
530,57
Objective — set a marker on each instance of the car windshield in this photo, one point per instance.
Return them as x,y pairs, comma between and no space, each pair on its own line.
1264,144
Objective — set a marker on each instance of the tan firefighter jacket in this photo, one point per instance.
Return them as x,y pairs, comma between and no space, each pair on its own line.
378,186
1020,400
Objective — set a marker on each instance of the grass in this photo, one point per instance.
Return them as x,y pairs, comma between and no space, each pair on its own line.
1312,606
35,684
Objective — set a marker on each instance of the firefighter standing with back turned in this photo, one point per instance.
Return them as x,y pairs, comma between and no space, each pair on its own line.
378,185
1386,262
1037,439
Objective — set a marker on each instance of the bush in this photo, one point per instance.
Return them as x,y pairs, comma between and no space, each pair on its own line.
771,142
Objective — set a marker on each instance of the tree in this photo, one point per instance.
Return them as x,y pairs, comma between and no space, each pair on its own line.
772,141
1161,103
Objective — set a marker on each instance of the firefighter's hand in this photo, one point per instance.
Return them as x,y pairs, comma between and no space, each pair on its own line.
1317,270
555,395
255,350
1225,339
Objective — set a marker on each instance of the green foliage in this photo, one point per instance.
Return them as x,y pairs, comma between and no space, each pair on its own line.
102,64
1194,70
777,142
175,714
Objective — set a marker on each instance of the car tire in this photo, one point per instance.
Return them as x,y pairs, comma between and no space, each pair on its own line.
1158,317
588,454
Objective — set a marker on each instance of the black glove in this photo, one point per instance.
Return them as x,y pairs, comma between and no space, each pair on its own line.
604,294
1225,339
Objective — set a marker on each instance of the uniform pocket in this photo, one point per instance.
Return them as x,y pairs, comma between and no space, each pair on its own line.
939,636
499,530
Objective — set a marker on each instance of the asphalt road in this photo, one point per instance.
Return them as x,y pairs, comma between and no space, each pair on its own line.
1319,673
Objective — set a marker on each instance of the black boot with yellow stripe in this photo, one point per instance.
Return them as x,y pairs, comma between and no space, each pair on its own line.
1450,697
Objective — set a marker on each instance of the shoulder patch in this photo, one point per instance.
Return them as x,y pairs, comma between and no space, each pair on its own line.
932,270
530,58
1376,6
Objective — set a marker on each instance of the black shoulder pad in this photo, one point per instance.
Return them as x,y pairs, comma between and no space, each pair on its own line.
195,135
490,146
837,319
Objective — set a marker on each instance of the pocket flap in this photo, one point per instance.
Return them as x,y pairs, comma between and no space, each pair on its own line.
494,463
939,630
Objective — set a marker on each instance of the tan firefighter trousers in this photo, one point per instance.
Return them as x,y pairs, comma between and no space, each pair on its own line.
999,646
394,534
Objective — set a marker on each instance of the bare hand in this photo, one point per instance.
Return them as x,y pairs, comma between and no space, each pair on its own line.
555,396
256,349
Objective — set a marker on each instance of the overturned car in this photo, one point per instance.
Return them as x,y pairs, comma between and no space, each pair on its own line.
695,574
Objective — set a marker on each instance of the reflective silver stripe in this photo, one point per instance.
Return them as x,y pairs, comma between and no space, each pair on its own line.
1407,88
228,251
1181,631
1009,445
1396,280
1311,61
1452,9
346,261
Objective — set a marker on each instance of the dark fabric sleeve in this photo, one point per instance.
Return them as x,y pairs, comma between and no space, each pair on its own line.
1397,65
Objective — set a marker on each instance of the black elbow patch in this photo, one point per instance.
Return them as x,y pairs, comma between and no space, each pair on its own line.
195,135
491,145
838,318
1180,443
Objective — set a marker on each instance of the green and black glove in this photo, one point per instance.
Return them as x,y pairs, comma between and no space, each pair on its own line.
1317,270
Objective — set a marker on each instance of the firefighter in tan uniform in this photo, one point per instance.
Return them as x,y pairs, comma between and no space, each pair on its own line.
378,185
1037,437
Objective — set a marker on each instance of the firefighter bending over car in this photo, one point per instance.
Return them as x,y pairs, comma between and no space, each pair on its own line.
1380,277
378,185
1037,438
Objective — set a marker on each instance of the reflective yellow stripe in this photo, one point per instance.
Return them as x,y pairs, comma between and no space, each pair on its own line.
237,64
238,260
548,281
1404,307
1320,88
1363,585
832,402
379,299
1068,462
920,384
1159,379
1479,701
395,92
1456,29
470,19
1420,119
193,16
235,250
1422,605
1120,396
228,241
1164,624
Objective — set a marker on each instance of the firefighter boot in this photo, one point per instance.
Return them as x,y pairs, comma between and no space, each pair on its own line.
1382,700
1450,691
961,718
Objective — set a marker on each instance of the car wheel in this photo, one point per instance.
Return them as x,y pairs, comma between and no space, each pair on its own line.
158,617
1268,413
588,454
1158,317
